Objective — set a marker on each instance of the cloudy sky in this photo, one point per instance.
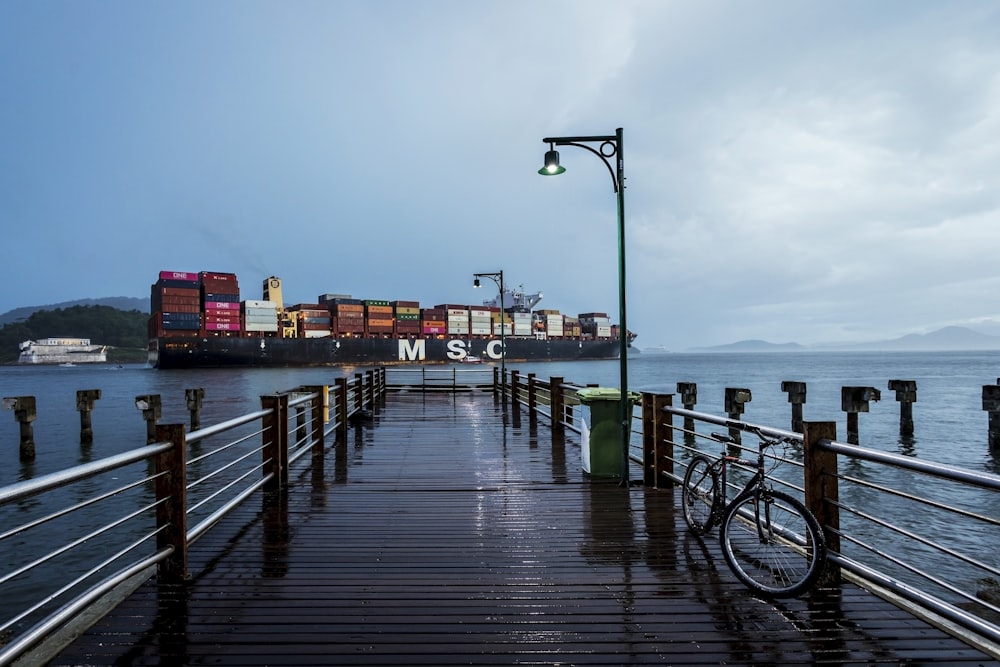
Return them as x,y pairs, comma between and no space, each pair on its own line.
796,171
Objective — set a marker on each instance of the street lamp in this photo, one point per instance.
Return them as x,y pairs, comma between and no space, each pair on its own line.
497,277
608,146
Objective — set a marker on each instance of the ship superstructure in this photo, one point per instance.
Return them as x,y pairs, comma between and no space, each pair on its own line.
62,351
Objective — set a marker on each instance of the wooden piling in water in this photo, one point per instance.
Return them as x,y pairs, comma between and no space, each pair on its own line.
991,403
194,399
797,397
906,394
689,398
85,405
852,401
736,400
150,406
24,414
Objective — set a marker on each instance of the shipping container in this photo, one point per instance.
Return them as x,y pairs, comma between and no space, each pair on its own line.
221,326
257,303
434,329
314,333
179,275
260,327
405,304
378,309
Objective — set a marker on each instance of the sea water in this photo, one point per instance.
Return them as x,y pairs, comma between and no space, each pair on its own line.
950,425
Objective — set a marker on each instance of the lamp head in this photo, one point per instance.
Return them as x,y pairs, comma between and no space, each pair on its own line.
475,283
552,166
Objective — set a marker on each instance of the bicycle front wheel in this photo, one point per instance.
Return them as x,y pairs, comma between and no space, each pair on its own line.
700,494
772,543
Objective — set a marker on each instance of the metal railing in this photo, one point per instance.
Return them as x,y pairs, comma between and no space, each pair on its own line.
74,537
918,532
451,378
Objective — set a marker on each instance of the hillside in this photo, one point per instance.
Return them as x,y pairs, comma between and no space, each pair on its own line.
125,303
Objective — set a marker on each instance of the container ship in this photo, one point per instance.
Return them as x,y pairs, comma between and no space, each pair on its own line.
199,320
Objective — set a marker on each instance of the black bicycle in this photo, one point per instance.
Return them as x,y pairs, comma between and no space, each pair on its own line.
770,540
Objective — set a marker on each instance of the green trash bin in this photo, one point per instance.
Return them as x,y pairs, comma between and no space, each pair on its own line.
602,449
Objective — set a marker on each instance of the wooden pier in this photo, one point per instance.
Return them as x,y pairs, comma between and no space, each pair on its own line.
444,532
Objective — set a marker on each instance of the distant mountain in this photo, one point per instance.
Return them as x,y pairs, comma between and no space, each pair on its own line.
948,338
752,346
125,303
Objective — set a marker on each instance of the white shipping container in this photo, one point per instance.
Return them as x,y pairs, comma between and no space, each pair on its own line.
522,330
457,330
257,319
460,312
256,326
507,329
521,316
604,331
479,331
309,333
479,313
251,303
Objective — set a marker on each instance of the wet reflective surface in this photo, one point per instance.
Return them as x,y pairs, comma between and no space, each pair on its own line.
440,533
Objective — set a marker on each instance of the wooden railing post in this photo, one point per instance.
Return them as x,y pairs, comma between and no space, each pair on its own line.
532,396
370,388
359,392
275,452
821,485
556,395
340,399
320,408
171,507
515,380
657,439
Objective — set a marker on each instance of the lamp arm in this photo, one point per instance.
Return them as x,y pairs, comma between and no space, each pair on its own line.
604,158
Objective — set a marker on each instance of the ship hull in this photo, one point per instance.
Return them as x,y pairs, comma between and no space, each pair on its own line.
215,352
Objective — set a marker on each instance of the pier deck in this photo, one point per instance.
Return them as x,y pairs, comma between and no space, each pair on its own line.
434,536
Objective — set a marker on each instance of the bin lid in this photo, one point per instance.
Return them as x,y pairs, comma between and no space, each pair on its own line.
592,394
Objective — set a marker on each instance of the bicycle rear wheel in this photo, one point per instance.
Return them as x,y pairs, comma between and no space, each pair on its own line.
772,543
700,494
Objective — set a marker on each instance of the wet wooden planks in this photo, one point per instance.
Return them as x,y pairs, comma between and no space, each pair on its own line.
435,536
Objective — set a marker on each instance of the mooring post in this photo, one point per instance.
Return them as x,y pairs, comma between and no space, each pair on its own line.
85,405
797,397
906,394
24,414
852,401
149,405
689,398
194,398
736,399
991,403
